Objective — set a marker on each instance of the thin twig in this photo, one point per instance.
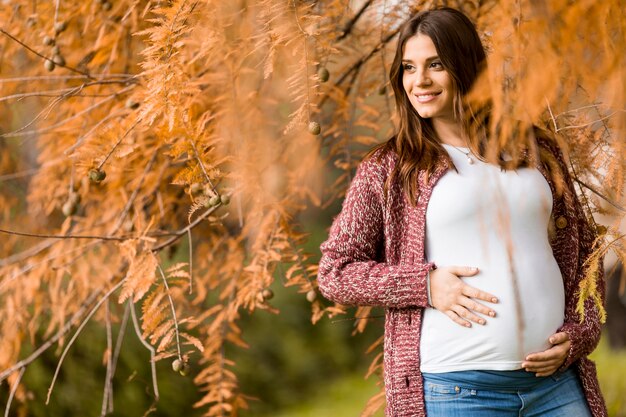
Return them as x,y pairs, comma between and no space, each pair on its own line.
99,237
592,122
82,138
18,132
127,77
13,390
116,354
179,233
78,330
105,395
206,175
43,56
306,60
599,194
352,22
190,261
57,92
147,345
118,143
169,297
68,325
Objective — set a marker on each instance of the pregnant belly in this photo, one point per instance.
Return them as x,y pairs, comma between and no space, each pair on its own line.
529,311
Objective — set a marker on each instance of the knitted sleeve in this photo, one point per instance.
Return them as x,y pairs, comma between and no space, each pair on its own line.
351,270
584,336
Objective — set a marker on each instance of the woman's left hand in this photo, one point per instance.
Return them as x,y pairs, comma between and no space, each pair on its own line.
547,362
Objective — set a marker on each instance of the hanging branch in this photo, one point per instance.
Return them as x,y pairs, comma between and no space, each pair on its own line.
147,345
347,29
43,56
80,328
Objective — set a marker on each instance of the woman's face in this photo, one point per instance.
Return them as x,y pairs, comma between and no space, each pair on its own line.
427,84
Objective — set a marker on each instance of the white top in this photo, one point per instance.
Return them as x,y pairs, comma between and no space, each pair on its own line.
496,221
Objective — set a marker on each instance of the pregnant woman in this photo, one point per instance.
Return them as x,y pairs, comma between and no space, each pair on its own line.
480,297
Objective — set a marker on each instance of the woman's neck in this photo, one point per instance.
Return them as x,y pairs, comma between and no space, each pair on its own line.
449,132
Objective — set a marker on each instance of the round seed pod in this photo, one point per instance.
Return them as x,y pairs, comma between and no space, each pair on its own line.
56,50
97,175
184,370
224,199
49,65
195,188
177,365
214,200
323,74
60,27
106,6
311,296
69,208
74,197
128,225
267,294
131,104
314,128
48,41
59,60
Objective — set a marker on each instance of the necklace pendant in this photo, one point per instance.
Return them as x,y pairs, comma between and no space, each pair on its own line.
470,160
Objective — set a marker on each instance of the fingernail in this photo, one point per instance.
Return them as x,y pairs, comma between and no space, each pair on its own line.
551,340
492,313
494,300
468,325
481,321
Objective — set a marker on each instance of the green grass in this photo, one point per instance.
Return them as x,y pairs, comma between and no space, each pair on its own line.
347,396
612,374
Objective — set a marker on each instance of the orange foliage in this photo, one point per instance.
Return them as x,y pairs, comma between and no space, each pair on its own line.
189,106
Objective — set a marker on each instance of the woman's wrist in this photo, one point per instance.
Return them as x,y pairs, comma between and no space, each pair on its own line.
430,302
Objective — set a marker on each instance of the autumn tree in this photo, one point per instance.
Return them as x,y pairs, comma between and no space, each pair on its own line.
131,129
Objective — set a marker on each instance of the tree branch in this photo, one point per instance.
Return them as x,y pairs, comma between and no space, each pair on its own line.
43,56
350,24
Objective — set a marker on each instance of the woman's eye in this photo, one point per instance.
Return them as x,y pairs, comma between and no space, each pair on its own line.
436,65
407,67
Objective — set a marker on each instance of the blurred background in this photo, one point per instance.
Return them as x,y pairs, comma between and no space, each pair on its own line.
182,161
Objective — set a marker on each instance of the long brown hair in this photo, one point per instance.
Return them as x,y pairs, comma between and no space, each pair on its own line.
463,57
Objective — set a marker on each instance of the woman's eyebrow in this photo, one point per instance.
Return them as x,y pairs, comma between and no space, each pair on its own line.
432,58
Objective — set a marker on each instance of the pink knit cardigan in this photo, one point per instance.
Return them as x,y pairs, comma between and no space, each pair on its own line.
374,255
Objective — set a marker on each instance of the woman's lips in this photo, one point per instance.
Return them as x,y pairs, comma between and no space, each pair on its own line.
425,98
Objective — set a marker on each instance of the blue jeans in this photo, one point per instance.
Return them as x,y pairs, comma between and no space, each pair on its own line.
504,394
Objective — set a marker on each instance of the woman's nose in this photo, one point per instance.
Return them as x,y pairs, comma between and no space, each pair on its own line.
422,79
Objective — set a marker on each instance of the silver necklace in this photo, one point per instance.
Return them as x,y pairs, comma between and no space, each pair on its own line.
470,160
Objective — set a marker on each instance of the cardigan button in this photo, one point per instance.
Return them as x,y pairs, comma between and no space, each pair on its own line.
561,222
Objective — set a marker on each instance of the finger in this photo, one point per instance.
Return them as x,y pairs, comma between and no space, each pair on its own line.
542,364
543,369
468,315
475,306
556,352
545,373
558,338
458,320
463,271
476,293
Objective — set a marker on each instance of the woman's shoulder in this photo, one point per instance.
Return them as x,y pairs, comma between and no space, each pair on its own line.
379,161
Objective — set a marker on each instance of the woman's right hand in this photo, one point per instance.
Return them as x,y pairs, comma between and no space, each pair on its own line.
450,295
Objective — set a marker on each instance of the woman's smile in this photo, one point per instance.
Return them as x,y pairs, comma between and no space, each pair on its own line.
426,82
